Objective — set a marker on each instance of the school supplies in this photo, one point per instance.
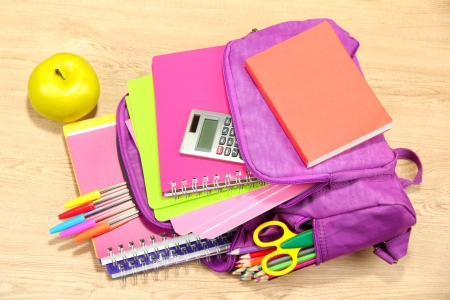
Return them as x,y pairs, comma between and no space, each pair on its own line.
245,250
256,253
170,251
184,81
189,222
140,104
96,166
108,198
136,234
252,269
94,195
92,149
210,134
221,217
288,244
251,209
95,220
318,94
108,225
264,278
285,258
84,216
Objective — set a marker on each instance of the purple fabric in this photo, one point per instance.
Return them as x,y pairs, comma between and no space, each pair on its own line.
360,201
347,219
131,165
394,249
264,146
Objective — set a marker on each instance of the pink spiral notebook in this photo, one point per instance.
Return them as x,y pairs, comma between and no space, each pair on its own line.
184,81
93,152
226,215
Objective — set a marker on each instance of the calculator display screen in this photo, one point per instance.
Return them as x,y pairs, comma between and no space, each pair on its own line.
207,134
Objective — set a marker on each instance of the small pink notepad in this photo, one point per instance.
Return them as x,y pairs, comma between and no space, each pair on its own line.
93,152
94,157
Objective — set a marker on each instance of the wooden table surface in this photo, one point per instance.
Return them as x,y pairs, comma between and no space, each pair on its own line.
405,56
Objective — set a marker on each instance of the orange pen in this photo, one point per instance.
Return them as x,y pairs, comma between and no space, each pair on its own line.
108,225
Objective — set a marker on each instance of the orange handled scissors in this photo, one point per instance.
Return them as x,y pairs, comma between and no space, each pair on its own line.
289,244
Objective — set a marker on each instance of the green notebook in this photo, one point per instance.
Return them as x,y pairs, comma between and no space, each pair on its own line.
141,107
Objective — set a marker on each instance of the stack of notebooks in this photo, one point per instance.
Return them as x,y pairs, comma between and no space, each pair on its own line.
160,105
138,245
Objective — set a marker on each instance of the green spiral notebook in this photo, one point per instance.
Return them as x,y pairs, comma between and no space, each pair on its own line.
141,107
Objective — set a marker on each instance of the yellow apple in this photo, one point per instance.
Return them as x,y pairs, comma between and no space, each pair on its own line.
63,88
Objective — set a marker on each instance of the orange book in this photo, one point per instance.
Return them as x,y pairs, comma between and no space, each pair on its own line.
318,94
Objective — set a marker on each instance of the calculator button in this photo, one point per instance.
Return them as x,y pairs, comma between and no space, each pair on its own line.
232,132
230,142
227,151
235,152
222,140
225,131
227,121
219,150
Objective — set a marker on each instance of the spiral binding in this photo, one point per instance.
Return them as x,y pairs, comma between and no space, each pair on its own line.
173,251
217,185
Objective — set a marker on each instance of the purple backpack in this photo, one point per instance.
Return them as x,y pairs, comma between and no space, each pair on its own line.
358,201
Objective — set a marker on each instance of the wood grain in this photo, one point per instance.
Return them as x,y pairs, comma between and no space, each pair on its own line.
404,53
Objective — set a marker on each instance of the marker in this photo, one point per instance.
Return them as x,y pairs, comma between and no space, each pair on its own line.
92,205
82,217
93,221
108,225
94,195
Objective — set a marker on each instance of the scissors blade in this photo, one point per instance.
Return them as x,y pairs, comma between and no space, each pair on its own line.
301,240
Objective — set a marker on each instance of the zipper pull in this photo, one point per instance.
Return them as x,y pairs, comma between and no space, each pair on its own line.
253,30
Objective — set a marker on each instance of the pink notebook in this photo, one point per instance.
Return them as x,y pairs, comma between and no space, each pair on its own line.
189,222
93,152
94,157
251,209
184,81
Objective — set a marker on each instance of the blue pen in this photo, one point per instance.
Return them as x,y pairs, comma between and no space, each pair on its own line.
82,217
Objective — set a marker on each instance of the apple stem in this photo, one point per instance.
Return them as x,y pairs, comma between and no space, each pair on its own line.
57,71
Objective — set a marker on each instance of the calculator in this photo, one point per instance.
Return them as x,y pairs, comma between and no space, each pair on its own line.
210,135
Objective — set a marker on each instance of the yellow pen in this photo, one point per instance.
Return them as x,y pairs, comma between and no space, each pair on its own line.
94,195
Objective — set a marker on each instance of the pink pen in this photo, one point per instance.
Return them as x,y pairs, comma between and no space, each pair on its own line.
94,220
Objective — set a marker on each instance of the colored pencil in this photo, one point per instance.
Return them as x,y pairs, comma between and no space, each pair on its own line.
284,265
274,262
246,278
239,271
258,260
257,254
262,279
247,275
297,267
246,260
245,250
